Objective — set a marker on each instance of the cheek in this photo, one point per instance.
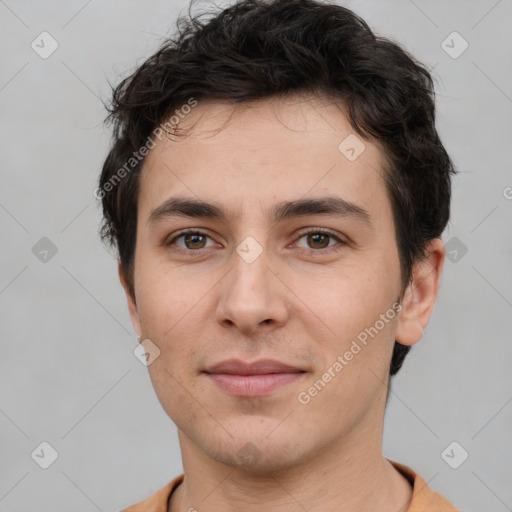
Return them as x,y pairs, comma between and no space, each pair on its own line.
165,322
346,308
175,394
165,299
347,298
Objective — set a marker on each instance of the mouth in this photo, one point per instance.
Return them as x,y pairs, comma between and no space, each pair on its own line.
258,378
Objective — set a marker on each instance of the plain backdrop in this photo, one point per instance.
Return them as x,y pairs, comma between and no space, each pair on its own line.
68,375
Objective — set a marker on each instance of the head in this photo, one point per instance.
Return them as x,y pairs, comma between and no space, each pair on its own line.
265,119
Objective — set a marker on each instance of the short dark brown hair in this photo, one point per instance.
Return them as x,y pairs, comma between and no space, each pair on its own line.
256,49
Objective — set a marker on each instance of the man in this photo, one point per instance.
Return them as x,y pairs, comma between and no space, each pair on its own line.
277,190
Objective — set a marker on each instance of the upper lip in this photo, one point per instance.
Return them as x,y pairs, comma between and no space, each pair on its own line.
263,366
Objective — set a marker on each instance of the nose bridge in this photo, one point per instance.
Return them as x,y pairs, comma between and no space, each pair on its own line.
251,292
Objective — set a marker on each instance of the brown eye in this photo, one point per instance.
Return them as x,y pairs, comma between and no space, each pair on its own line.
189,241
195,241
318,240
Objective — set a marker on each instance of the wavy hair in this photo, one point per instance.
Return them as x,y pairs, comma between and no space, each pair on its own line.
258,49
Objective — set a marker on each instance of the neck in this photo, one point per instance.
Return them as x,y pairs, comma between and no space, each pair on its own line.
352,476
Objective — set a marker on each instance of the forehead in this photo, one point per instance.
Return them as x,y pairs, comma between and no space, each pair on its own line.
266,151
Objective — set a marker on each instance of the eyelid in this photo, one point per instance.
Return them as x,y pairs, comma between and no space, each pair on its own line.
342,241
188,231
298,235
325,231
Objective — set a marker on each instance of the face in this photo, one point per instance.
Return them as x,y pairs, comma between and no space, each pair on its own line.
293,259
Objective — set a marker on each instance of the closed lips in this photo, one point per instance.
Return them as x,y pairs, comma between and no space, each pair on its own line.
261,367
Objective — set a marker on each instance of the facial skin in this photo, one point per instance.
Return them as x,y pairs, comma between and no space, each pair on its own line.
302,301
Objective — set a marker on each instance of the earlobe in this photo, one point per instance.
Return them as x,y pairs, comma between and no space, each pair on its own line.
421,294
132,305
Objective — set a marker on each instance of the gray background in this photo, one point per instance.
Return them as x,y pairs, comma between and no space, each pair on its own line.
68,374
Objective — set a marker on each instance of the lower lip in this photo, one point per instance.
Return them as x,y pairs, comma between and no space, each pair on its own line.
253,385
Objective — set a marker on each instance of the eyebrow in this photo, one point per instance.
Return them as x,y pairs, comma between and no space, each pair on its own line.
195,208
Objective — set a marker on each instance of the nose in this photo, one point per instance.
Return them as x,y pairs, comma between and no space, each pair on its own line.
253,297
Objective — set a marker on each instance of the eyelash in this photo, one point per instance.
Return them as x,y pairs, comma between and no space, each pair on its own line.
311,252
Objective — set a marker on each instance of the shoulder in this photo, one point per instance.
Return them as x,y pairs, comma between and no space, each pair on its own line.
156,502
424,499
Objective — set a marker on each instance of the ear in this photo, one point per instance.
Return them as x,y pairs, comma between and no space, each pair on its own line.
421,294
132,305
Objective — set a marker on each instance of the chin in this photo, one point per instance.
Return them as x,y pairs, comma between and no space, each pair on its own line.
255,451
254,460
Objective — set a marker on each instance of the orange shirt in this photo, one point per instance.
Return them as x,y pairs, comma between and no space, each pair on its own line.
424,499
